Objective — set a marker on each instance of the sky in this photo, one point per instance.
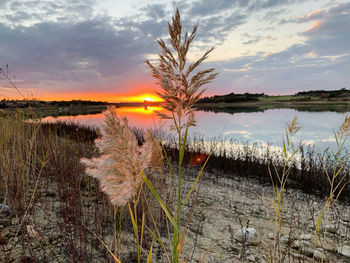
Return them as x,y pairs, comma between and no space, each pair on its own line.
87,49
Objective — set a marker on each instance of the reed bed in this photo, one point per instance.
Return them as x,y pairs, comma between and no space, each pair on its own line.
239,158
43,184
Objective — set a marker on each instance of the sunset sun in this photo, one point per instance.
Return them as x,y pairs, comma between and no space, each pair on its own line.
148,98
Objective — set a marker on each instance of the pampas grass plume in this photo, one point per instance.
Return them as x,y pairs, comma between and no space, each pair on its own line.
122,159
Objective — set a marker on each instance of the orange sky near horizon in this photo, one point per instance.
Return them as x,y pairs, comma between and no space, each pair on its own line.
141,97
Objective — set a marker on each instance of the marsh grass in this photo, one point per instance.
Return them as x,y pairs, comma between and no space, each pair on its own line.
19,159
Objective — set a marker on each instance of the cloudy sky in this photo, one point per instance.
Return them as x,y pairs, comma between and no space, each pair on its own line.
91,49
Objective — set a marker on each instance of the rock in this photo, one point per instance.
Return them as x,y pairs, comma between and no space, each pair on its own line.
271,236
300,257
306,249
329,247
304,237
296,244
344,251
247,235
4,209
345,222
285,240
319,255
331,228
251,258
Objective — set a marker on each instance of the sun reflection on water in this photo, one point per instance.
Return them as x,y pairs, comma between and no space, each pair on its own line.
143,117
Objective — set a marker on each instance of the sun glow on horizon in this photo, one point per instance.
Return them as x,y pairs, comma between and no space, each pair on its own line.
146,97
113,98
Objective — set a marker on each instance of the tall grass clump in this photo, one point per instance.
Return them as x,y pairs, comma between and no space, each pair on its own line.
20,163
335,176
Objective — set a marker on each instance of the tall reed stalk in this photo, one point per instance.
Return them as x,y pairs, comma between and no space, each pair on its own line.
280,186
180,89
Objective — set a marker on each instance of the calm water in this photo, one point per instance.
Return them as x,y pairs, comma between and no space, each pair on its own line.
253,127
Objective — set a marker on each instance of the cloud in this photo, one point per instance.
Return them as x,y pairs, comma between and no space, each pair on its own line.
76,45
321,62
339,9
82,53
330,35
156,11
216,28
253,39
31,12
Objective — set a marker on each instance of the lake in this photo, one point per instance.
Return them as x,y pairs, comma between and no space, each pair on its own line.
263,127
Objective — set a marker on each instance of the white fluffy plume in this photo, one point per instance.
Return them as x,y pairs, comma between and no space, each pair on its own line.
122,159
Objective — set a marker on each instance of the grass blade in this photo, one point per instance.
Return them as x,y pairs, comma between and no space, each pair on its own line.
160,201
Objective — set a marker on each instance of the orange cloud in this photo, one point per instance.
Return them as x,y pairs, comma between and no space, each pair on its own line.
314,26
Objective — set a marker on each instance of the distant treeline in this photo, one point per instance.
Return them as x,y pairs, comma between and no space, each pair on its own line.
232,97
38,103
325,93
78,103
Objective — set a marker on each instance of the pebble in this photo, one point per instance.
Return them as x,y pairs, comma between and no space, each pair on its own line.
344,251
247,235
4,208
304,237
319,255
285,240
251,258
331,228
306,249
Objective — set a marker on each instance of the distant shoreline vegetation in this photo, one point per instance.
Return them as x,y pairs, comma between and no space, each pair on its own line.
323,97
343,94
232,97
73,107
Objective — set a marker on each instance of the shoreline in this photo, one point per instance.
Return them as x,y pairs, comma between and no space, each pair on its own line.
315,105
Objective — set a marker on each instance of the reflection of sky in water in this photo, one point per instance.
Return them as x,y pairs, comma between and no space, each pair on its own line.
262,127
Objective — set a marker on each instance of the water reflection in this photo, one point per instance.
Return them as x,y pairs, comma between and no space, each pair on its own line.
255,127
143,117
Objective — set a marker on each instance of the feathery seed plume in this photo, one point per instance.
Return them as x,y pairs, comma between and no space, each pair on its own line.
180,84
293,127
122,160
344,127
